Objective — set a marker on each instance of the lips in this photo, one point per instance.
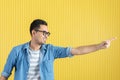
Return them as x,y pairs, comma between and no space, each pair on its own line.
44,39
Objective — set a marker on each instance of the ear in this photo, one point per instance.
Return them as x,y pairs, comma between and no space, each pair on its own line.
33,32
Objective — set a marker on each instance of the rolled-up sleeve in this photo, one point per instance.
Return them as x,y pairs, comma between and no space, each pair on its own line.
10,63
69,52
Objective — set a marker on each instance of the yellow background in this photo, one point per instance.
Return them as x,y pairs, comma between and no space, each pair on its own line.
71,23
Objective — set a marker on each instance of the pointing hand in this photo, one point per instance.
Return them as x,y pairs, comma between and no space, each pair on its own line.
106,43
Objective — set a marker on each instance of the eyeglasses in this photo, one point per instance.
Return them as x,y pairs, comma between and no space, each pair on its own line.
44,32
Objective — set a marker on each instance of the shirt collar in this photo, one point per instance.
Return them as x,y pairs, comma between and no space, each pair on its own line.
26,46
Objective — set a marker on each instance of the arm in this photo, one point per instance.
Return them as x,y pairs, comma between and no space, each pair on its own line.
3,78
10,63
91,48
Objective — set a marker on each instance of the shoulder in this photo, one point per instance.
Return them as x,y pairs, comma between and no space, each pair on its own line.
21,46
46,46
51,46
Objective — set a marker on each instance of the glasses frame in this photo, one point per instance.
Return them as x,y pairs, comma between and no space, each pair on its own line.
44,32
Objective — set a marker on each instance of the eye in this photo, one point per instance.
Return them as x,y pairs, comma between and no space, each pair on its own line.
44,32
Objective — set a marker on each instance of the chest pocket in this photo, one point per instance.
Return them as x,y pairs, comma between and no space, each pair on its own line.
47,66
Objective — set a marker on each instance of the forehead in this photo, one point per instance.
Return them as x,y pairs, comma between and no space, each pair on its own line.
43,27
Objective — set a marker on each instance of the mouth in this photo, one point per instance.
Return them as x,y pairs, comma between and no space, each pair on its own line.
44,39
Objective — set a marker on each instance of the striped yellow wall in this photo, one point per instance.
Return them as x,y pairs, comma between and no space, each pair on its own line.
71,23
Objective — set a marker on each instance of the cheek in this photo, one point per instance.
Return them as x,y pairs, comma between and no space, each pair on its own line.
36,37
40,37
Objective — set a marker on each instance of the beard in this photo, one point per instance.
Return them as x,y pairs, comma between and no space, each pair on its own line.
41,42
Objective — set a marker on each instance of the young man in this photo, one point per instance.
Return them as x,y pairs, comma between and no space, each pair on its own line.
34,60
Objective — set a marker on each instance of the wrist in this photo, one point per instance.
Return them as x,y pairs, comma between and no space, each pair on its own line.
98,47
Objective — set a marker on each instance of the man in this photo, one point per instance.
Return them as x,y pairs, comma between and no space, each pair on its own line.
34,60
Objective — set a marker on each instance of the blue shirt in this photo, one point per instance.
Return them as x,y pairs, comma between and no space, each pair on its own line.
19,58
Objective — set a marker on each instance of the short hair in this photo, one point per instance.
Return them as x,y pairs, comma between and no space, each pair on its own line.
36,24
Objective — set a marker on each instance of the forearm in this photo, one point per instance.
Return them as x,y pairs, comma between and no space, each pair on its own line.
85,49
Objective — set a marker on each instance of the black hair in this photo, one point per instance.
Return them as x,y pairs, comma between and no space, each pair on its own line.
36,24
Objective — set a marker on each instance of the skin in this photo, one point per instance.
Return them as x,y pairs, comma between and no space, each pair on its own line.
37,39
92,48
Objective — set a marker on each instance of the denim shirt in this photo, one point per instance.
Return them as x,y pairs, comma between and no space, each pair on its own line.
19,58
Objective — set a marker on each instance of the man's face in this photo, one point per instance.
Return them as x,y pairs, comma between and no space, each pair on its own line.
40,35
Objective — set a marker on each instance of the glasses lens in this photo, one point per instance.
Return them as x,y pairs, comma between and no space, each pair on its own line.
46,33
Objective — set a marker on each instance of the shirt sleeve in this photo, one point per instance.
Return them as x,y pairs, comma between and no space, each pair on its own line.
10,63
62,52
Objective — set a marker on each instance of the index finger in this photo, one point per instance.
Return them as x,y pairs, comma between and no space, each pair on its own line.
113,38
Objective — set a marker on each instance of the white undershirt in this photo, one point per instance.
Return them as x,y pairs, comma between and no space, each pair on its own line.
34,72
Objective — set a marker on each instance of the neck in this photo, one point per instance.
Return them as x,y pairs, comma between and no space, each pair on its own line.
34,45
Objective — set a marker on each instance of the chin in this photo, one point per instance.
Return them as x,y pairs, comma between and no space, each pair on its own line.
44,42
41,43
